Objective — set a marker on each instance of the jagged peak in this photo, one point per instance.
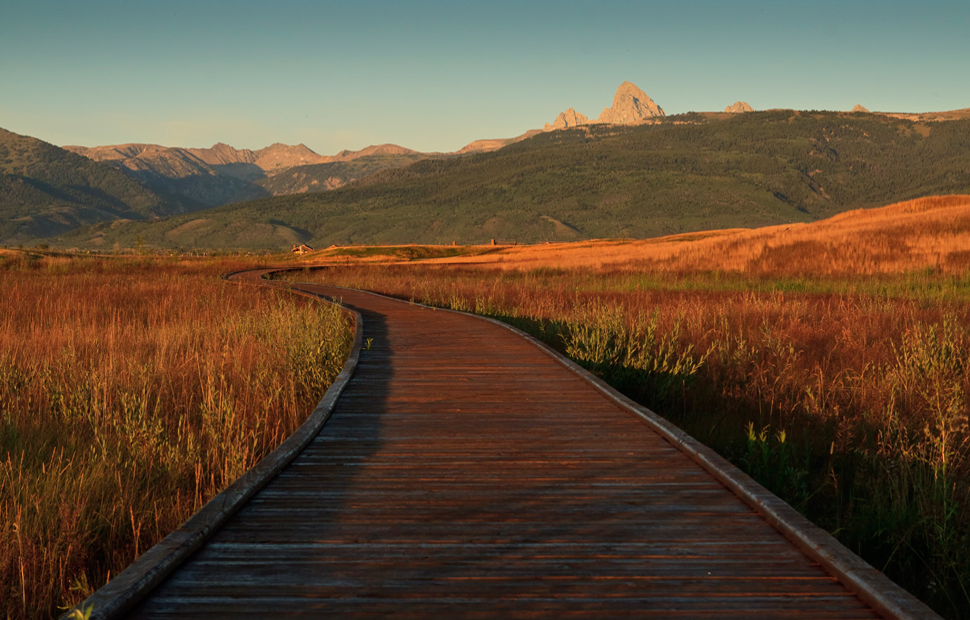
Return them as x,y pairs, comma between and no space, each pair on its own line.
567,119
739,107
630,105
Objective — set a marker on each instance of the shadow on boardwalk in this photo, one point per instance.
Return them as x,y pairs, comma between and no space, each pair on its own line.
464,473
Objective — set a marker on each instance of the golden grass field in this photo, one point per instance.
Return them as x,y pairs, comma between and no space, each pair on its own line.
831,361
132,391
929,233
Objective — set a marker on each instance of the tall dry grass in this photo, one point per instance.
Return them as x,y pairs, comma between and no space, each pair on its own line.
850,406
925,234
131,392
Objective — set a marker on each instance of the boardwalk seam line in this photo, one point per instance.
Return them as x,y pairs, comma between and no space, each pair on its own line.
869,584
128,587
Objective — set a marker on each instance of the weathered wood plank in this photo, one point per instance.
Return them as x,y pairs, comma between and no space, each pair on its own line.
464,473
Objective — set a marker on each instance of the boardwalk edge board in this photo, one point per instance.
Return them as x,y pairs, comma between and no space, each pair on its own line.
128,587
869,584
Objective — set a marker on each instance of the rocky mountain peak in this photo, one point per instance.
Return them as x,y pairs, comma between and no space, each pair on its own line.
372,150
278,156
221,154
630,105
859,108
567,119
738,107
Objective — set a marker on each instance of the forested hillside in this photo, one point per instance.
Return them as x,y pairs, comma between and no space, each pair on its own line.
686,173
45,191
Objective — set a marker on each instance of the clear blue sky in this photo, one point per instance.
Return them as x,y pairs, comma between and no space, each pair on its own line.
436,75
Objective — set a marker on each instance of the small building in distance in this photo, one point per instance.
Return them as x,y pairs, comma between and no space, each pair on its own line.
301,249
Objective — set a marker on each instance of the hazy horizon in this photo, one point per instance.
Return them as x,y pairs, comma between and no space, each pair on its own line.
434,76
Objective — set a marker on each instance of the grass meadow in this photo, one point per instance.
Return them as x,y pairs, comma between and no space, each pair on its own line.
830,363
132,391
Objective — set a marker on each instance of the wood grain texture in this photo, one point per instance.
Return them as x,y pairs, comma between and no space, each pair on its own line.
465,473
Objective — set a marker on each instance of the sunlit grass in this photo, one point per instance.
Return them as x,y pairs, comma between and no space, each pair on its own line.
918,236
131,392
846,392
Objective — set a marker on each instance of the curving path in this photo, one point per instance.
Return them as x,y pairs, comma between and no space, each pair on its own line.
467,473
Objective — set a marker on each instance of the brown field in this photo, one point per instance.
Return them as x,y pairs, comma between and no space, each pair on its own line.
132,391
830,361
929,233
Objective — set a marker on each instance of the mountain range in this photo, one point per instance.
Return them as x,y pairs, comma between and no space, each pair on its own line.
46,191
223,174
681,174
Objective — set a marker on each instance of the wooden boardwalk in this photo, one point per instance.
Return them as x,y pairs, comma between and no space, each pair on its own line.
465,473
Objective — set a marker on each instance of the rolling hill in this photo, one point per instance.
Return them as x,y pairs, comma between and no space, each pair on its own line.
926,234
680,174
46,191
